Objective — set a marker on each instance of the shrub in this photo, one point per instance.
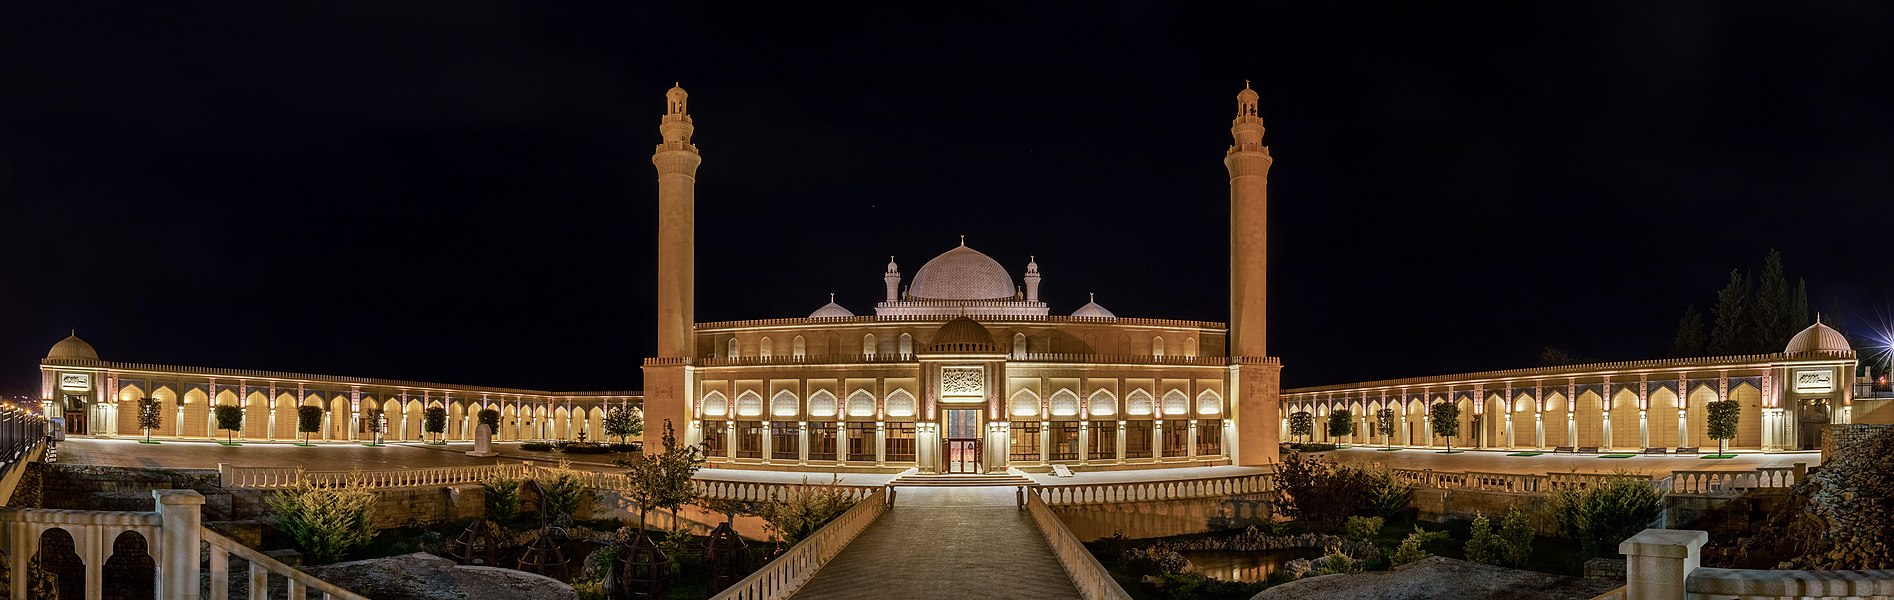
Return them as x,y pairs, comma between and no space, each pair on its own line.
229,418
1482,545
584,448
625,447
1340,423
1384,424
1412,547
1312,447
1301,423
490,418
1363,528
1606,514
1314,489
622,422
1387,495
502,495
325,522
308,420
1720,422
150,415
1445,417
1518,534
434,420
805,508
561,487
1336,561
536,446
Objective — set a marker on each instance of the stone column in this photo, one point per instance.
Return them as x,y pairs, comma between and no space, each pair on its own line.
1256,383
1644,416
180,514
1657,561
667,380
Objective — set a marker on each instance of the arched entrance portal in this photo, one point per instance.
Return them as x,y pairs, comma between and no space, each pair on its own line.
1811,421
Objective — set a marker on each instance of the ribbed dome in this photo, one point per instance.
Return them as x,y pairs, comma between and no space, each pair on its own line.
1818,337
962,274
1093,310
830,310
72,347
963,335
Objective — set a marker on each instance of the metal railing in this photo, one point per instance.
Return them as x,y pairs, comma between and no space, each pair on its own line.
1090,577
786,574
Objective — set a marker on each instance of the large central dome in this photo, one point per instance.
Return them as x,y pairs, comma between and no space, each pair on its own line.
962,274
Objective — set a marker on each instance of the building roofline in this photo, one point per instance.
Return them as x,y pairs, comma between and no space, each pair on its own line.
1211,326
318,378
1586,370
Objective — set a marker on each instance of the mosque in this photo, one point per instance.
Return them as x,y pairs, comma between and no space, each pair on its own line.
962,368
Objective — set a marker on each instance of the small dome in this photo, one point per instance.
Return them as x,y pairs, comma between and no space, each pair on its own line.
830,310
963,335
1093,310
72,348
962,274
1818,338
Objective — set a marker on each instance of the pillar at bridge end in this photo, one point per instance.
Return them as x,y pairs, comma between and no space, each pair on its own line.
1658,560
180,514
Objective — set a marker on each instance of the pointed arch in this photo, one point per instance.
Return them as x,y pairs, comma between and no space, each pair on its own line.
1102,403
1190,347
900,403
732,351
749,404
1024,403
785,404
1157,346
1138,402
763,348
1019,345
907,344
1063,403
1176,403
861,404
716,404
798,348
868,346
822,404
1209,403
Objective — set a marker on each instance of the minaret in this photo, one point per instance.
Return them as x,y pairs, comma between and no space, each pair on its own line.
1032,279
1256,380
1248,161
665,378
892,277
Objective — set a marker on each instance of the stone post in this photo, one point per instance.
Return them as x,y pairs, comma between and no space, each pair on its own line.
180,513
1656,562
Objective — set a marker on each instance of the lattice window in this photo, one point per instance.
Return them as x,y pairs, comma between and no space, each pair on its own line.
861,404
1064,403
784,404
900,404
716,405
822,404
1209,403
1025,403
1176,403
1138,402
749,404
1102,403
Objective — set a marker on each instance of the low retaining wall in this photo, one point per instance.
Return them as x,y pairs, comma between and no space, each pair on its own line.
1165,517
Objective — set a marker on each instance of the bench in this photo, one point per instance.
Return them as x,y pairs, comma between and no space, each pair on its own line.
1587,450
1687,450
1061,471
1656,451
1564,450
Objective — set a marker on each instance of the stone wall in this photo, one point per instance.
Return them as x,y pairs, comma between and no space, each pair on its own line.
1164,517
1442,505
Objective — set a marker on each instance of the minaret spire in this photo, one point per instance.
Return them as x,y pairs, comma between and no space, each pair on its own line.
676,160
1256,385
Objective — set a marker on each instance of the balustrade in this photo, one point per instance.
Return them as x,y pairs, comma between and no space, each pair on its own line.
1091,578
788,572
1146,491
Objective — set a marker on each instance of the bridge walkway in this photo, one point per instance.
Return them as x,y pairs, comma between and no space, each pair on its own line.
946,543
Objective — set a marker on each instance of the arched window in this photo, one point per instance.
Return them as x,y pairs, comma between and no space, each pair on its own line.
1025,403
868,346
822,404
762,348
1063,403
861,404
734,352
749,404
1176,403
1157,346
1102,403
1209,403
798,348
907,345
900,404
783,404
715,405
1019,345
1190,346
1138,402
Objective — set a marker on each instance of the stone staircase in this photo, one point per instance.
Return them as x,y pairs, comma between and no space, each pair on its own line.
1008,479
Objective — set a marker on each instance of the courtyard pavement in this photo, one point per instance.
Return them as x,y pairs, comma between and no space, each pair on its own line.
984,548
1498,462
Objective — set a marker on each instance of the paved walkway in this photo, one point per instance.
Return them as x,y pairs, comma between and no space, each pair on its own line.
1499,462
946,543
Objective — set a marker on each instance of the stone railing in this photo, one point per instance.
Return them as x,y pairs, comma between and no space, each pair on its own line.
1507,482
1146,491
1665,564
173,535
786,574
1090,577
235,477
1730,483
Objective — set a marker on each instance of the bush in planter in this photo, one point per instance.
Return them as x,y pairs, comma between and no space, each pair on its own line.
584,448
536,446
626,447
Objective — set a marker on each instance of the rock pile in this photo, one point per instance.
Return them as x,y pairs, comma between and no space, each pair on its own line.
1845,516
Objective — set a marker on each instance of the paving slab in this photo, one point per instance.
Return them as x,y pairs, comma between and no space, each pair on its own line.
1499,462
946,543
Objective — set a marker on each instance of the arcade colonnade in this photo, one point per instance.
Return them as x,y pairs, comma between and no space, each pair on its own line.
102,399
1783,401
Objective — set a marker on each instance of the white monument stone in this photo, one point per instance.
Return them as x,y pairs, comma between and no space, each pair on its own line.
483,438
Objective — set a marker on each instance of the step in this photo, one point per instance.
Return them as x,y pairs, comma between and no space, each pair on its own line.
961,481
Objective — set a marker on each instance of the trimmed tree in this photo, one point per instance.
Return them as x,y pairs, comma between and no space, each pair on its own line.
1301,423
308,420
623,422
1384,425
663,480
434,420
1446,418
371,420
1720,422
229,418
1340,424
150,415
490,418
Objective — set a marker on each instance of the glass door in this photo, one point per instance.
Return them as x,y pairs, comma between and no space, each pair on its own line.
963,440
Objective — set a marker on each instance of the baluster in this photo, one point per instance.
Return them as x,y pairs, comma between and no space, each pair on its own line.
259,581
296,590
219,573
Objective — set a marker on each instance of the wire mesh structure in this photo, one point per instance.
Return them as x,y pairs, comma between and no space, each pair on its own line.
726,558
479,544
643,572
546,555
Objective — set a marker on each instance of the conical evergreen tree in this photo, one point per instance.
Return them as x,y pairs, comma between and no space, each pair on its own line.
1799,308
1769,311
1727,335
1691,339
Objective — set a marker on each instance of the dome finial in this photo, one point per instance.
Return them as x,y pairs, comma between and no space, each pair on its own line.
963,239
1091,296
831,297
1818,316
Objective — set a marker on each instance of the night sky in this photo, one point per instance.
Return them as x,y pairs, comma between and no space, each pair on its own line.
462,191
